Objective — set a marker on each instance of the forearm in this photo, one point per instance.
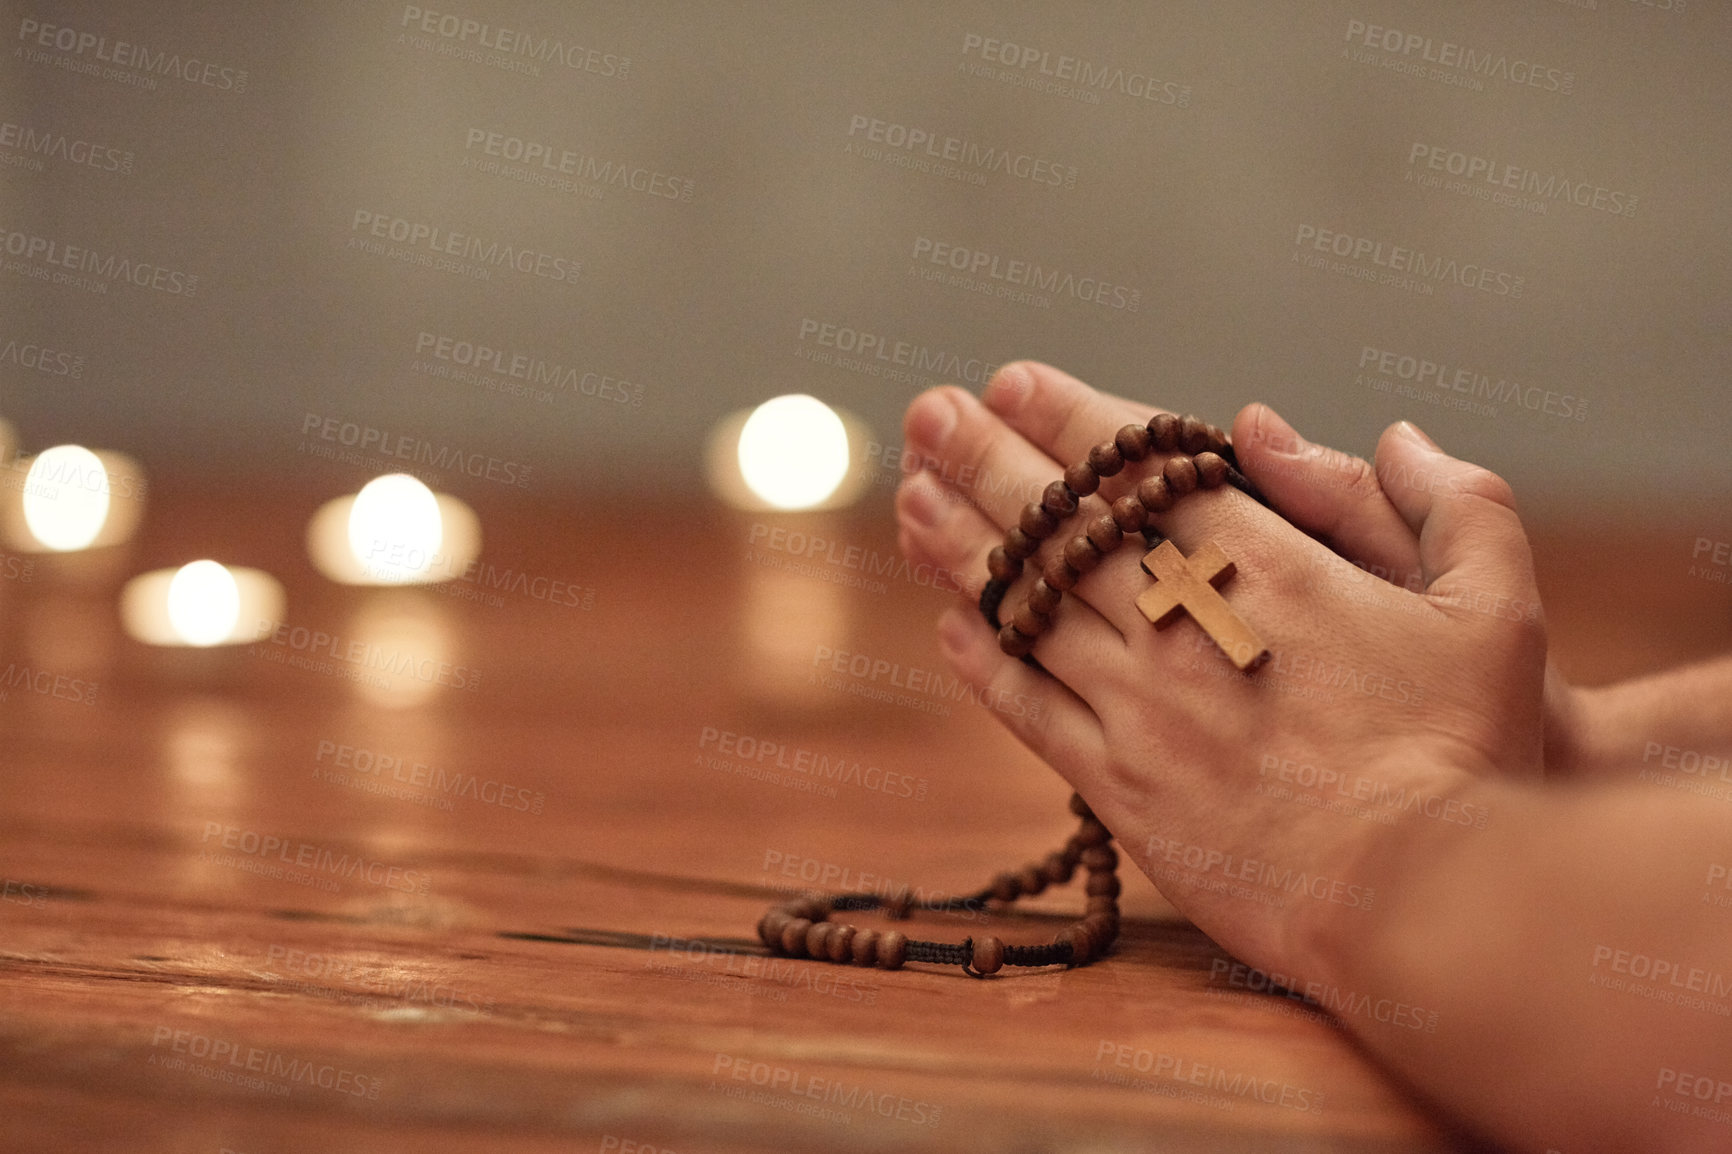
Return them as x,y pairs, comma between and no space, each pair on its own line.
1576,962
1670,721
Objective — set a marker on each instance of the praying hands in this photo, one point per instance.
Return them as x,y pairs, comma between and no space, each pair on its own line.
1480,857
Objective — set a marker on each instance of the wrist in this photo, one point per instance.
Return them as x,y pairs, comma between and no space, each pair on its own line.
1434,805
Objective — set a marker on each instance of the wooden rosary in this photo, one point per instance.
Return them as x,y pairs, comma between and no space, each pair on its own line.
1199,456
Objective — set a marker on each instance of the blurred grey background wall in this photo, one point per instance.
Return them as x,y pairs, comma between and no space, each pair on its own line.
1505,220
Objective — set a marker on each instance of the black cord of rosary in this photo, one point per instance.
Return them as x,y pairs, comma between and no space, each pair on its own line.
951,953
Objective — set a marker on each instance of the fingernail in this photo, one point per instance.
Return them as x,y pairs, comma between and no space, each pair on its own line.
1009,387
953,636
922,502
1414,433
931,421
1282,439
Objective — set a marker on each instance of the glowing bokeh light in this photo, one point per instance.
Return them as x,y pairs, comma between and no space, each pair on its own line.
395,529
793,451
66,498
204,603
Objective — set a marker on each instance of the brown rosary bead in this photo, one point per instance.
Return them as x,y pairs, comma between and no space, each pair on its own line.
892,950
1026,620
1031,880
1019,546
1080,554
794,936
1102,904
1211,469
1102,884
1092,832
1155,494
1071,854
1080,807
1164,431
1006,887
1181,475
1081,943
770,927
1012,642
897,905
1058,500
1059,573
1082,479
1099,857
816,909
1056,870
988,955
1106,459
1193,434
842,943
1043,598
1037,522
865,948
1104,928
818,940
1105,533
1134,442
1129,514
1002,565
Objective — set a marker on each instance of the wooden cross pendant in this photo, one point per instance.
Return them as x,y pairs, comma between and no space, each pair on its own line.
1187,585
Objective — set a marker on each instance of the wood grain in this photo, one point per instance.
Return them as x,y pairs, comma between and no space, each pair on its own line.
579,974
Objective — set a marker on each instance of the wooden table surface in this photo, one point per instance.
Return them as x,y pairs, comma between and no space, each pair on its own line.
542,937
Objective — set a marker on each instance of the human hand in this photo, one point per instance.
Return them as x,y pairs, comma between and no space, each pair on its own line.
1413,692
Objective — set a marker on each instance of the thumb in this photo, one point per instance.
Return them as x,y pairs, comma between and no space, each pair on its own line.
1471,542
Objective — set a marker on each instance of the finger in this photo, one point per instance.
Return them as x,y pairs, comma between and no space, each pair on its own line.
1003,471
1054,723
1056,412
1327,493
1065,418
1471,541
